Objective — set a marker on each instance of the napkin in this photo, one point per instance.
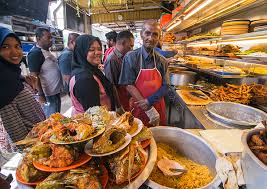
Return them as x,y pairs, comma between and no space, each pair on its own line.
224,140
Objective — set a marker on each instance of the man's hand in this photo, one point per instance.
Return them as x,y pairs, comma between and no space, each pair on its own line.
42,100
153,115
171,60
143,104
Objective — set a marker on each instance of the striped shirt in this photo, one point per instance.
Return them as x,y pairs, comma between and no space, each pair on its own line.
21,114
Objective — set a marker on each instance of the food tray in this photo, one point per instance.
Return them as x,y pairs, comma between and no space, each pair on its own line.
197,102
226,73
189,145
236,114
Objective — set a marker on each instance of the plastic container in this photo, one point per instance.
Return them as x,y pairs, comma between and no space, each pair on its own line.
164,19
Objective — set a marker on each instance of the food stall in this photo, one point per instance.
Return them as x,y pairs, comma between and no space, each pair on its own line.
218,90
221,55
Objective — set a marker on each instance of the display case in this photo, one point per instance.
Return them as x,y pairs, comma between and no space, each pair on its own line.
229,44
25,27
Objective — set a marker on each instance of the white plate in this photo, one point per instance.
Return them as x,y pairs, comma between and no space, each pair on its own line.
139,126
89,145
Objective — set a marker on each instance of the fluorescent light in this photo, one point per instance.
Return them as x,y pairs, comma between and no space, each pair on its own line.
227,8
194,11
174,25
255,41
192,6
201,44
150,7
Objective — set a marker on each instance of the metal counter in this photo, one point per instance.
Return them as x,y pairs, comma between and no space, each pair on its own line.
194,117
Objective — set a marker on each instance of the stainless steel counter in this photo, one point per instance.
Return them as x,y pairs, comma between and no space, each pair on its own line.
195,117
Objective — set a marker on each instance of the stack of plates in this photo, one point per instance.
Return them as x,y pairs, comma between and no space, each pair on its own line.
235,27
259,25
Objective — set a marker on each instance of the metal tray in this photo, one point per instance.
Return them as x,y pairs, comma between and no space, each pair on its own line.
237,114
190,146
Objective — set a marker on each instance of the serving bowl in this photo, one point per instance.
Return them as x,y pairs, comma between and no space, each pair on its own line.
254,170
190,146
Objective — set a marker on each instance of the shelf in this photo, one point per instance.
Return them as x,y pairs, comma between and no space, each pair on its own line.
28,42
214,10
173,44
215,74
246,35
25,32
230,59
59,37
224,39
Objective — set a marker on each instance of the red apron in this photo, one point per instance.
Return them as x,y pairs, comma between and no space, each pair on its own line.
122,92
148,82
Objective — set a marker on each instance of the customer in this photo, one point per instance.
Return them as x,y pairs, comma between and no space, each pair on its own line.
88,85
19,110
43,65
144,75
65,59
111,41
113,64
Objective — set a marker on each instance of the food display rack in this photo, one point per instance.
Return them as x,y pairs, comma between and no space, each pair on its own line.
207,21
25,27
210,19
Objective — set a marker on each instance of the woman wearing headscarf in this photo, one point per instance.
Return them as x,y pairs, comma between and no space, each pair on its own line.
88,85
18,108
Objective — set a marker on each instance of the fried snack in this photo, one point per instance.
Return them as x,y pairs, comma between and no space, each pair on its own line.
233,93
169,38
259,93
257,140
262,148
258,144
263,157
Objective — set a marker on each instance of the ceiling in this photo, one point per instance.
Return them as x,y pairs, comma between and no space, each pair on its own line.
121,14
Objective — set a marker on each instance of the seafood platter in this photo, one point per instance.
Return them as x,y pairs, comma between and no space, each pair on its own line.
96,149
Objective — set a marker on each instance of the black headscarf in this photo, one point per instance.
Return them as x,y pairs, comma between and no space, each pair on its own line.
10,81
81,65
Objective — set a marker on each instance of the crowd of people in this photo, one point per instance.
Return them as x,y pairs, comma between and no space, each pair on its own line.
131,80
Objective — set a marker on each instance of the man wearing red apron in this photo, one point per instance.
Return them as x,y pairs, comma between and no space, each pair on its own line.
144,74
113,64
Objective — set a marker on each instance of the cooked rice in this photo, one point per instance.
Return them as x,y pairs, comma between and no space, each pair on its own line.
196,177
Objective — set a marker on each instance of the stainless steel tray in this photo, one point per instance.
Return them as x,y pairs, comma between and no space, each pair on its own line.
189,145
236,114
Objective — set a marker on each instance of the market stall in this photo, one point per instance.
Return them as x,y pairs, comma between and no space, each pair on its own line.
220,94
221,57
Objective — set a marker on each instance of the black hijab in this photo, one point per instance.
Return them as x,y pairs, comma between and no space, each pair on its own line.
10,82
81,65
